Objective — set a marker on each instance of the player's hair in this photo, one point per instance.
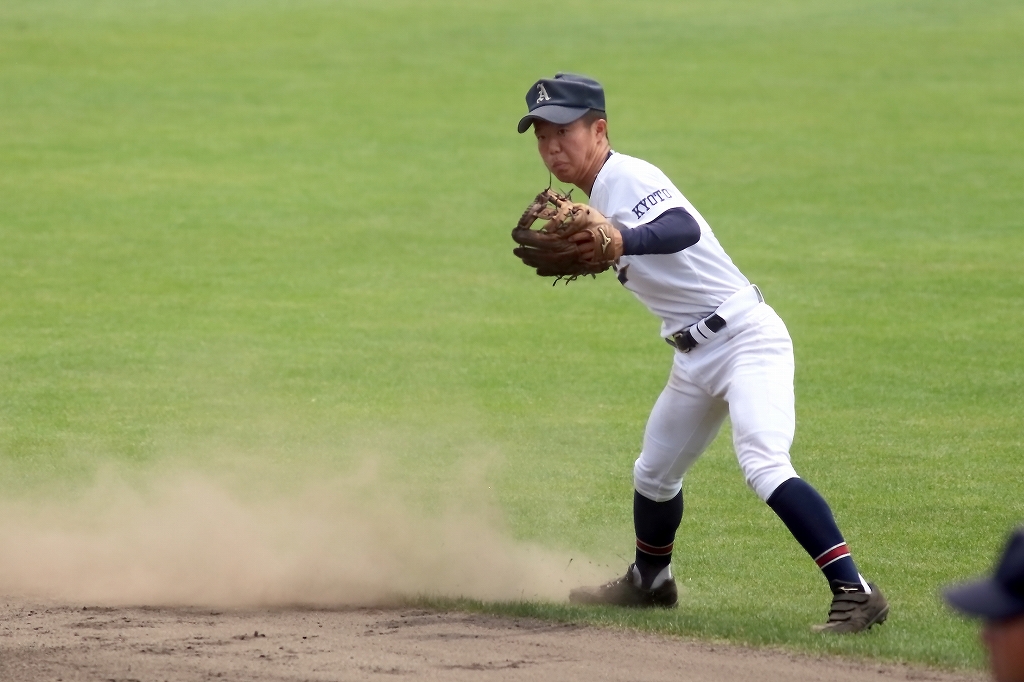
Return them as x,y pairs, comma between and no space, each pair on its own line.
594,115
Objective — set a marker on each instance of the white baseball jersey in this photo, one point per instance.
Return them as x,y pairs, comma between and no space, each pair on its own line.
680,288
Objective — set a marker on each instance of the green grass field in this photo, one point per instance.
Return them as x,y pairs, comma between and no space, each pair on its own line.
281,229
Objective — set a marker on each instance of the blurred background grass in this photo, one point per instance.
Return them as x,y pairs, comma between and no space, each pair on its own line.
276,228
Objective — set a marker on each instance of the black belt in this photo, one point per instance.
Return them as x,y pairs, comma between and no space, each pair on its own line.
684,342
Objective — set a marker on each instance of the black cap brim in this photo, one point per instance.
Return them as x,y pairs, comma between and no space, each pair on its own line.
984,599
552,113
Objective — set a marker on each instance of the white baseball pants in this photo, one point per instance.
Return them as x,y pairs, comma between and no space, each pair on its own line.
745,372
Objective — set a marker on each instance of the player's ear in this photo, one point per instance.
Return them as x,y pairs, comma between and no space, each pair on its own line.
601,127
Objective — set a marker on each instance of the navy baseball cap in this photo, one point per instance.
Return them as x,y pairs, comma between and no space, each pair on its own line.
562,99
1000,596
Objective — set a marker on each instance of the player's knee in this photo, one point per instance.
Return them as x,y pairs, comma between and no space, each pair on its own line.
655,486
764,481
764,460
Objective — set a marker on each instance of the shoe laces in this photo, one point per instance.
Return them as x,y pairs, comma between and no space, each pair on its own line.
844,604
622,579
855,597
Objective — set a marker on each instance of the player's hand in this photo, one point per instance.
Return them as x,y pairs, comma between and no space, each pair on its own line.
607,238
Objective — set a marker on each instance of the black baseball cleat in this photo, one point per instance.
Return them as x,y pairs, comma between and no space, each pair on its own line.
624,591
855,611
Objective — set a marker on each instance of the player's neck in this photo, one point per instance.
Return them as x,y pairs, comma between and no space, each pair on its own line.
597,161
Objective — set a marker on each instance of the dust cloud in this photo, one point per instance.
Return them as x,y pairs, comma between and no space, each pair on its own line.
183,538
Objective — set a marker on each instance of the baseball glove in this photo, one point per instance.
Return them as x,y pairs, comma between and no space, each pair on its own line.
575,239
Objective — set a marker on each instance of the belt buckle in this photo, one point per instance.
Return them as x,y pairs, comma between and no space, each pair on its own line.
676,341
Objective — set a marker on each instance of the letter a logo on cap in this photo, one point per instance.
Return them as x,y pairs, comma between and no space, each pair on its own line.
542,94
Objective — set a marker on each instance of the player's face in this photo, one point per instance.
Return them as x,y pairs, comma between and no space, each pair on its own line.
569,149
1005,642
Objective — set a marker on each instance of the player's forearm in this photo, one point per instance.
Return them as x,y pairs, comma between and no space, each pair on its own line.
672,231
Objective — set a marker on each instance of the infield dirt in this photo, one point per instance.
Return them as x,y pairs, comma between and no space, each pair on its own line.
60,642
75,573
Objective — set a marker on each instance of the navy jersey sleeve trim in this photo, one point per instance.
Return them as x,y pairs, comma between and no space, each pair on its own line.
671,232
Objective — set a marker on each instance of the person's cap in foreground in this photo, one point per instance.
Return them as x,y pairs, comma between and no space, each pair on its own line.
1000,596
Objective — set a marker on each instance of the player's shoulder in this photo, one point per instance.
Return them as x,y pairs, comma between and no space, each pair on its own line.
628,186
622,172
625,166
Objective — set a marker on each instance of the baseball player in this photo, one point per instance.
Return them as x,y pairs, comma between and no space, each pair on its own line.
733,357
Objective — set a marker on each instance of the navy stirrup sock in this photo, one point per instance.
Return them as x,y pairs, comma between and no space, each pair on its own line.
809,518
656,524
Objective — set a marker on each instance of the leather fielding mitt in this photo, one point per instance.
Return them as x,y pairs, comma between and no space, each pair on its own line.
574,240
